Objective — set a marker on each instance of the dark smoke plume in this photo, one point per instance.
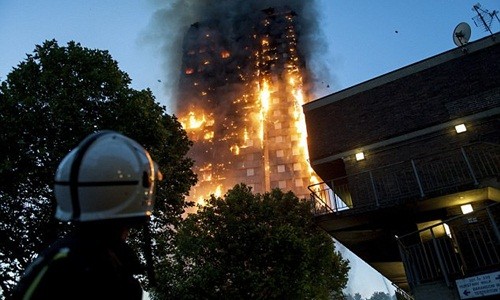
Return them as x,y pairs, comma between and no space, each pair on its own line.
173,18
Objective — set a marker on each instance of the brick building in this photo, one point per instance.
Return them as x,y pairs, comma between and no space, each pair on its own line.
398,170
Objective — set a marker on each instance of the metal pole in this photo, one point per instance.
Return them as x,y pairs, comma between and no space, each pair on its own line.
406,264
469,166
444,270
418,179
333,199
493,224
374,190
485,24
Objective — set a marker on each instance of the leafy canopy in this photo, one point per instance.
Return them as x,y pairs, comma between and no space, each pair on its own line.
48,104
252,246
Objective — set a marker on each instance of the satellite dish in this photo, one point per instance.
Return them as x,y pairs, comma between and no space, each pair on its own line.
461,34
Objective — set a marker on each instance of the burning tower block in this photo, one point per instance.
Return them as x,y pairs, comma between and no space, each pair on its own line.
241,92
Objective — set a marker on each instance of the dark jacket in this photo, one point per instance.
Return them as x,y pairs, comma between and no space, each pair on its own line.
82,267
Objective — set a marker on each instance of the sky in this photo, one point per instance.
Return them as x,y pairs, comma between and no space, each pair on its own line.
356,41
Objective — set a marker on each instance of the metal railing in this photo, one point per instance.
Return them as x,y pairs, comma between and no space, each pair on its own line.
401,294
438,174
462,245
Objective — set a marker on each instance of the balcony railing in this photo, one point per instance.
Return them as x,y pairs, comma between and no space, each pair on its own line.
419,178
458,247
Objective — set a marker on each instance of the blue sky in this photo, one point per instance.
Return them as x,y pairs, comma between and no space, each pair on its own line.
363,39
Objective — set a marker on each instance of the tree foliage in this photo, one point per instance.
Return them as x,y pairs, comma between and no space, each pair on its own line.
252,246
375,296
381,296
356,296
49,103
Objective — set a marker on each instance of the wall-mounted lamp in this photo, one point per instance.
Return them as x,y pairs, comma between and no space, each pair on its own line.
460,128
466,208
360,156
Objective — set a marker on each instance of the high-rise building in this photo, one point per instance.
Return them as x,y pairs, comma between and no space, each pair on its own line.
240,100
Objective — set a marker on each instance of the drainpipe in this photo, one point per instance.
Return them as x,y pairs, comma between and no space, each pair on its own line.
418,179
374,190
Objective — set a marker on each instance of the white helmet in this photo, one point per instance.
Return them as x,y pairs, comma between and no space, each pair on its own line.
107,176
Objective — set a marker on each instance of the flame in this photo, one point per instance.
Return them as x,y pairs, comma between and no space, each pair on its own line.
295,84
245,135
265,96
235,149
218,191
208,135
207,167
192,121
314,179
198,125
265,99
270,98
202,198
201,201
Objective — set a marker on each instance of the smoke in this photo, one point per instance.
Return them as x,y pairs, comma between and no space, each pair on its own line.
172,20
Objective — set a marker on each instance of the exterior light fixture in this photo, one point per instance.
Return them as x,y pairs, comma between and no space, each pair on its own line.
460,128
466,208
360,156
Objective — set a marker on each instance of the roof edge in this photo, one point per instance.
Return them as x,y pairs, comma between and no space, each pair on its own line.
419,66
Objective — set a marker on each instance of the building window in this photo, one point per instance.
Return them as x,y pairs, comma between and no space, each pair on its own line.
281,168
282,184
299,182
280,153
297,167
277,125
295,151
250,172
279,139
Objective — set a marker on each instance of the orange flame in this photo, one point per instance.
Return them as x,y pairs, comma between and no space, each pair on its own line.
258,106
235,149
265,99
192,121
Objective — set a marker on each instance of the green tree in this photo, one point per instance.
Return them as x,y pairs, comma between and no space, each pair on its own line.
50,102
252,246
380,296
357,296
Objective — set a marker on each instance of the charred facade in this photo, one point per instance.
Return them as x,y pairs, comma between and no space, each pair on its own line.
241,92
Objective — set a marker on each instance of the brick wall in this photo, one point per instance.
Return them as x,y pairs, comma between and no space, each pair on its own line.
466,85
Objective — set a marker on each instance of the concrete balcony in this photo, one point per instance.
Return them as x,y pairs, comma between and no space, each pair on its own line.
368,210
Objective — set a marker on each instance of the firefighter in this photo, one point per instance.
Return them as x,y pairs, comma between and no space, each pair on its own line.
104,187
